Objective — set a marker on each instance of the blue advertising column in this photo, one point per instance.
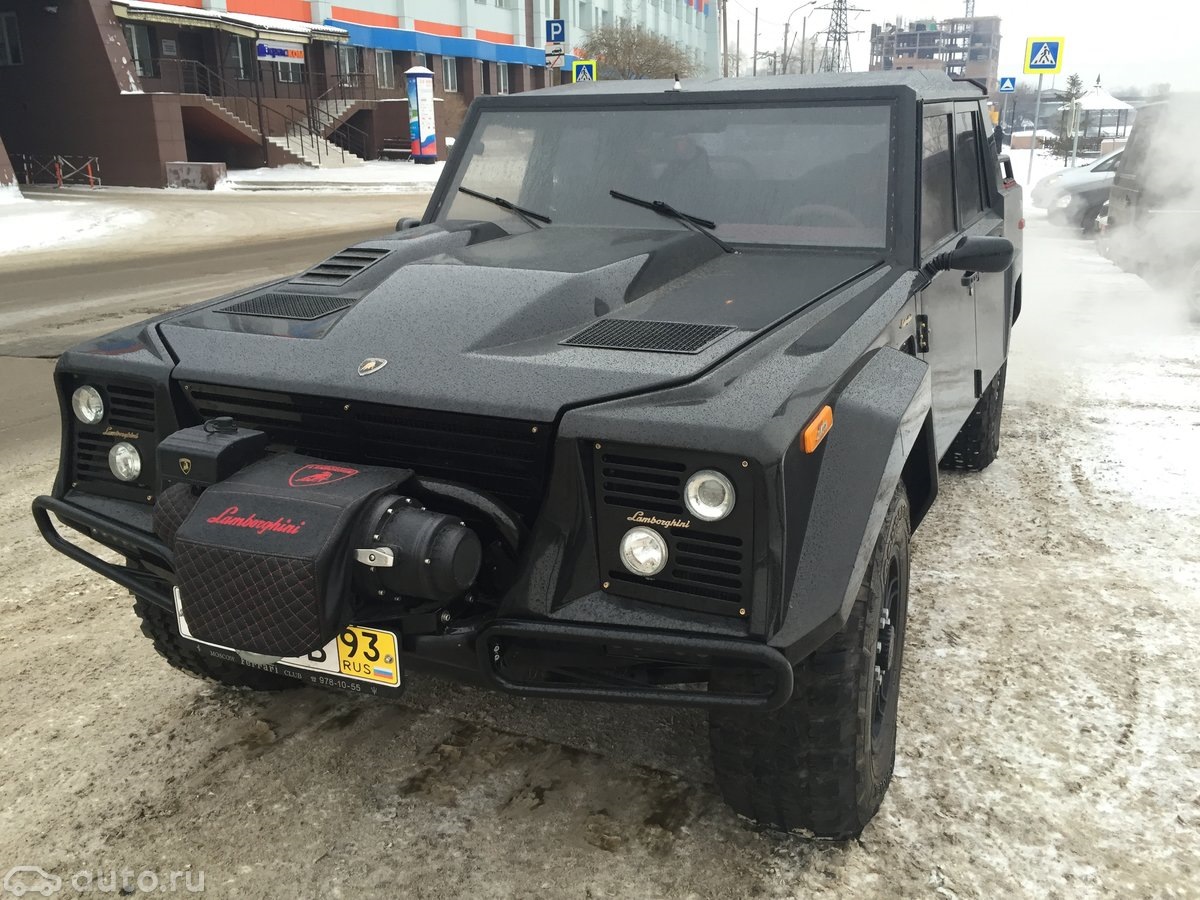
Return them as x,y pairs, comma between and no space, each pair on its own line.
421,127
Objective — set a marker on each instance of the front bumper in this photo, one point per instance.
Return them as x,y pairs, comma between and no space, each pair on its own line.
529,657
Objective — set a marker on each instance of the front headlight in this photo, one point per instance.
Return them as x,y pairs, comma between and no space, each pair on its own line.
124,461
87,404
644,551
709,495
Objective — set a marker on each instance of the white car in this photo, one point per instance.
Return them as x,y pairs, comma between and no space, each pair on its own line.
1068,181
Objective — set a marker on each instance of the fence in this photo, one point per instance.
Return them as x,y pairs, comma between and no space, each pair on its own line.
59,170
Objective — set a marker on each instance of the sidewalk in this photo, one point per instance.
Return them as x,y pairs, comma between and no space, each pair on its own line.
382,176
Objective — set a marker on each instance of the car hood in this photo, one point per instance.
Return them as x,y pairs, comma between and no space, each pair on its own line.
475,322
1070,180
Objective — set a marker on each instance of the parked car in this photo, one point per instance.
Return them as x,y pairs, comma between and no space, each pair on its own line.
1075,195
645,409
1154,204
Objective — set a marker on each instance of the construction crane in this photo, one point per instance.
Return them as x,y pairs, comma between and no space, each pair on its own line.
970,8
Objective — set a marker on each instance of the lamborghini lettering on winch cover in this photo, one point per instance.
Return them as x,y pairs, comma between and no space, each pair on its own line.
659,388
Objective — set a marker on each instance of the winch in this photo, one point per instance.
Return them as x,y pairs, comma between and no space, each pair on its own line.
273,551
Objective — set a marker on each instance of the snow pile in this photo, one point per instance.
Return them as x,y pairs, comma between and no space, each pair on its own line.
379,175
10,194
43,224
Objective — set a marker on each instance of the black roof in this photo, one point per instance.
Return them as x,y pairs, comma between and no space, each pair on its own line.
925,84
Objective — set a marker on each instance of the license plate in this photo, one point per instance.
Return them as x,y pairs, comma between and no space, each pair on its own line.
357,657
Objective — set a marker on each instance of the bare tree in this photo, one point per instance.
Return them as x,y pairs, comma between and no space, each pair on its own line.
626,51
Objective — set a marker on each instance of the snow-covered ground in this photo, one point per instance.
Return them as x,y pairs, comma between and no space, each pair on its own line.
388,176
29,225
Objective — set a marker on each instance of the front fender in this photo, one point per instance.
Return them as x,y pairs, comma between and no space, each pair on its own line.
879,418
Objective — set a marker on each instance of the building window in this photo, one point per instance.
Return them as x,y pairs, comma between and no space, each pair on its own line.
350,60
502,78
289,72
10,40
140,41
449,73
385,69
241,56
420,59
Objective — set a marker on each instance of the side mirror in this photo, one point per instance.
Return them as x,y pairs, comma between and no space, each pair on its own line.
974,253
408,223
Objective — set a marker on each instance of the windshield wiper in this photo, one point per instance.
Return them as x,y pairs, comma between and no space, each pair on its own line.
528,216
694,223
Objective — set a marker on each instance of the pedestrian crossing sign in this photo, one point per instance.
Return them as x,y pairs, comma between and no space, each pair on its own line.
583,70
1043,55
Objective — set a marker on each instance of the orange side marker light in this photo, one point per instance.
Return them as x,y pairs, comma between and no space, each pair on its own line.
816,430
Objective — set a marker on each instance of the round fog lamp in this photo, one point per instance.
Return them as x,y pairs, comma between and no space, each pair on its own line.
1064,201
644,551
124,461
709,495
87,405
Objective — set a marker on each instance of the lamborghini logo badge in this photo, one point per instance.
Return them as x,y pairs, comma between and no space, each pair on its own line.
371,365
185,465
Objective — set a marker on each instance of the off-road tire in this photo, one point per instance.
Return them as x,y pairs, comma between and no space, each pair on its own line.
977,444
823,761
159,625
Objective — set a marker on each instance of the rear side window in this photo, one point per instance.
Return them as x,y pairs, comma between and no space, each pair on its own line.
966,166
937,183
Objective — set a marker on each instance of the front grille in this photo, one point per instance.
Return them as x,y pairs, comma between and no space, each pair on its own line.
129,416
708,568
640,334
504,458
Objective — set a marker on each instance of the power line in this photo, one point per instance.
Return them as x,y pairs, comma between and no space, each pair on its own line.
837,39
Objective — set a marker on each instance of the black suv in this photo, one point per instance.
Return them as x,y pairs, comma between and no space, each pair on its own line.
645,408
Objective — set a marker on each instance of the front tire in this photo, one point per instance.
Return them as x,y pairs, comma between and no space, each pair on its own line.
823,762
160,626
977,444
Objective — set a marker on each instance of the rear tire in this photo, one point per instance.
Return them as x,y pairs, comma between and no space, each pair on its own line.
977,444
823,761
160,626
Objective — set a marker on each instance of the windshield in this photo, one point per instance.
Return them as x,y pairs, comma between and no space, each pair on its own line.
765,175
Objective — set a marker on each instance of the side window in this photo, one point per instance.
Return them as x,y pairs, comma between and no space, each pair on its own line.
937,184
966,168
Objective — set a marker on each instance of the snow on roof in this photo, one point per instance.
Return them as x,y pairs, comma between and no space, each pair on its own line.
263,26
1098,98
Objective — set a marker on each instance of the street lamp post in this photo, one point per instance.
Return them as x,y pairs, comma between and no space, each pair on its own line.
787,26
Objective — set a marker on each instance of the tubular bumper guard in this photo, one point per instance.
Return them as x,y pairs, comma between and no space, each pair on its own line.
112,534
552,636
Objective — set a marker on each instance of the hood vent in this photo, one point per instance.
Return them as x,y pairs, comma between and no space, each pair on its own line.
341,267
657,337
305,307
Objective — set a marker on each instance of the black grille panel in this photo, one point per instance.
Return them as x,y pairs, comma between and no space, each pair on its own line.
305,307
504,458
129,415
708,568
648,484
341,267
638,334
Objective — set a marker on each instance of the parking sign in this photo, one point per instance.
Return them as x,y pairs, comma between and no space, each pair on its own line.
556,31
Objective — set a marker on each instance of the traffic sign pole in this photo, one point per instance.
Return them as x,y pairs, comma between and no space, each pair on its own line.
1037,110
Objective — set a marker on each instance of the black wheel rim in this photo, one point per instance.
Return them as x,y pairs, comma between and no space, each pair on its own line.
886,673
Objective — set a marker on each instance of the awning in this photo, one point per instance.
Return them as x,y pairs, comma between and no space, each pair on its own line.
235,23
